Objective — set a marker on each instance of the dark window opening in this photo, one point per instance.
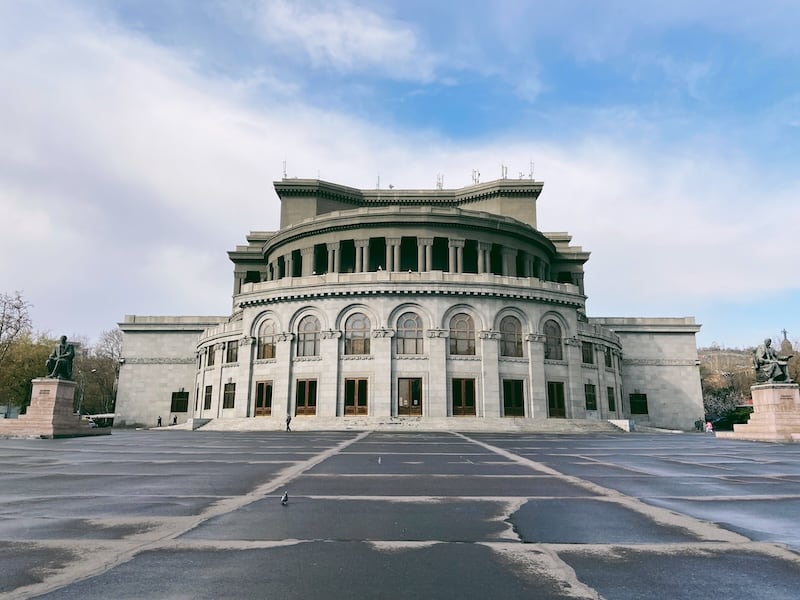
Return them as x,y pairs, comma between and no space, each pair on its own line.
440,255
513,398
587,353
590,394
180,402
556,408
207,398
408,254
470,257
463,397
639,404
355,396
263,398
612,403
376,254
306,397
228,395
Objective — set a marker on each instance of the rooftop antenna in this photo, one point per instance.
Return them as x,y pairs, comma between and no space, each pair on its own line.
378,185
530,174
284,169
503,171
476,176
439,181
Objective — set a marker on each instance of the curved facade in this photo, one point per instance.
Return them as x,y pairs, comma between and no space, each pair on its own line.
418,303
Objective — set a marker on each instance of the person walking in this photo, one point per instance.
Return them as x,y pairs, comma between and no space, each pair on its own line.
288,421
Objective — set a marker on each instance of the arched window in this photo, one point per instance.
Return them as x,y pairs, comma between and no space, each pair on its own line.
510,337
266,339
462,335
409,334
356,334
552,341
308,336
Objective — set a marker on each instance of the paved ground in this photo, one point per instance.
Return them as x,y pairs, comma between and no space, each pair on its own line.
388,515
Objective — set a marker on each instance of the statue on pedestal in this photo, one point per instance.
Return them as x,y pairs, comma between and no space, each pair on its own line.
769,366
59,365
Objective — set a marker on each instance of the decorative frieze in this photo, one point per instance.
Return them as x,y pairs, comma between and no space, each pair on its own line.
285,336
489,334
659,362
160,361
437,333
247,341
381,332
534,337
331,334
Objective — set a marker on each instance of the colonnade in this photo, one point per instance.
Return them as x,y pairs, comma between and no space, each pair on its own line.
513,262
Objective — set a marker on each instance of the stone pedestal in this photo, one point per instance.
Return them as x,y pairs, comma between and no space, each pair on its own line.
776,415
50,413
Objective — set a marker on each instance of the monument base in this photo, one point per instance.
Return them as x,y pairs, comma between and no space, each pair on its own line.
50,413
776,415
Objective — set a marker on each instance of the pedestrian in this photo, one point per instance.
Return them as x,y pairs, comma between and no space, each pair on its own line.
709,427
175,419
288,421
158,423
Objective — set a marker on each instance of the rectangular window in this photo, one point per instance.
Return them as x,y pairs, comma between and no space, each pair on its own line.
556,407
587,352
263,398
639,404
609,358
212,353
306,398
180,402
355,396
463,396
513,398
228,395
232,352
409,396
207,398
612,402
591,396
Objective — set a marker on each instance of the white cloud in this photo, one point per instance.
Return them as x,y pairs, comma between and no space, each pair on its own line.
132,173
344,37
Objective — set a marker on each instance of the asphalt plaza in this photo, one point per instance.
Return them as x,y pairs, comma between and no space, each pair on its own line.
180,514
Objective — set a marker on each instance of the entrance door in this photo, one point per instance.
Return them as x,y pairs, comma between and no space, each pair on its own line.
263,398
409,396
555,400
513,398
355,396
463,397
306,399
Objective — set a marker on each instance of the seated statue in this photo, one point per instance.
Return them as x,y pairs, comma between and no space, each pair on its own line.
59,365
769,366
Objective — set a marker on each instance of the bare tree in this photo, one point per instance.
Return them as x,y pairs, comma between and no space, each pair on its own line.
14,320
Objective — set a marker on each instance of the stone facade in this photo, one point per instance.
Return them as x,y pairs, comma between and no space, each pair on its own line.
419,303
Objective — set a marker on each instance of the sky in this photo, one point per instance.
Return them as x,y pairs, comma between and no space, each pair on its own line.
139,141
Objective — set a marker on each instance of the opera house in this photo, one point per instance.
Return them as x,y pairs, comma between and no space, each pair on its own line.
435,304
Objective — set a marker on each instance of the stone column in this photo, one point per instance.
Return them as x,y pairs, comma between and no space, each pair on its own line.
397,255
536,407
361,255
509,261
307,261
435,401
244,385
333,262
483,259
287,265
456,255
392,254
282,384
381,392
328,389
420,255
574,402
426,244
490,374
